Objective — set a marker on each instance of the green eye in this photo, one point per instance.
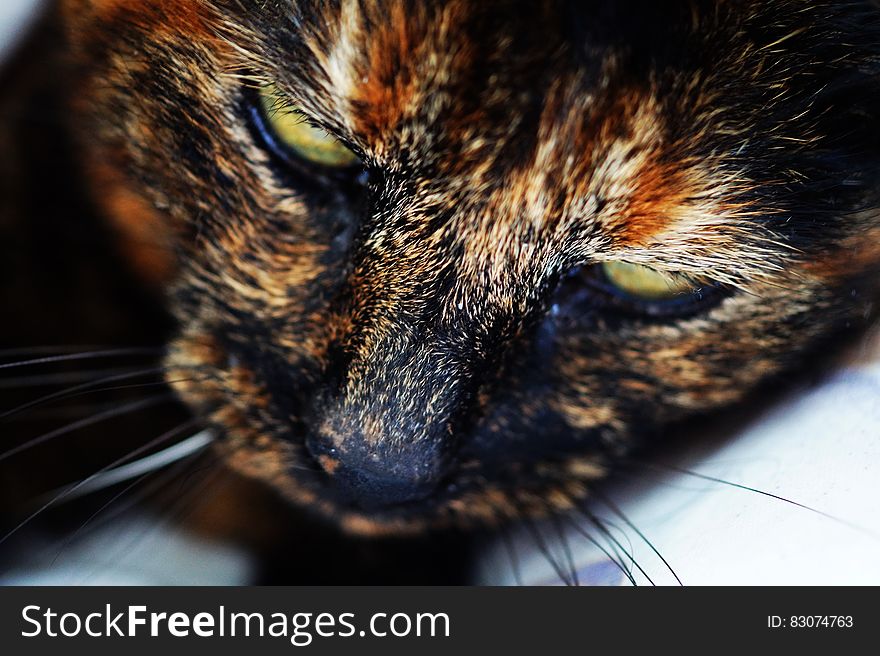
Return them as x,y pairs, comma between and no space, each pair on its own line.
293,130
646,283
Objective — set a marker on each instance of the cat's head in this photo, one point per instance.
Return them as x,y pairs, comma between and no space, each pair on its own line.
509,240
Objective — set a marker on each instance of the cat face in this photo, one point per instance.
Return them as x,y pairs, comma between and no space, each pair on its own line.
530,236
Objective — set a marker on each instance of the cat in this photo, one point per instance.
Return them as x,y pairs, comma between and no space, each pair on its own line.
443,266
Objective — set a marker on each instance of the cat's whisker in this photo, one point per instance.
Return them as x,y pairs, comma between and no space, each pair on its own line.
133,538
168,435
65,412
619,512
63,378
70,539
61,349
162,478
671,468
184,502
598,523
87,387
171,469
623,553
65,542
161,383
614,541
616,560
615,545
106,415
186,448
566,548
71,391
544,548
512,555
75,410
88,355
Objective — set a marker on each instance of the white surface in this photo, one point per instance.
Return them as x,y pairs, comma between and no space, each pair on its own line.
15,16
141,550
820,449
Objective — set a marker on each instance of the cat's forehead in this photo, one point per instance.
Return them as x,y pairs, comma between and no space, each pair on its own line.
378,69
542,111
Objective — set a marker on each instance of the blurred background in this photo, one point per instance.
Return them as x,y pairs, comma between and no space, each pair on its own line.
15,19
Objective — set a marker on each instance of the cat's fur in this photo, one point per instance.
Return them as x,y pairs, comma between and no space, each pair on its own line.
404,332
435,331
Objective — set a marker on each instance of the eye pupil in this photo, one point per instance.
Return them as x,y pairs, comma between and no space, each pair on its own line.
293,130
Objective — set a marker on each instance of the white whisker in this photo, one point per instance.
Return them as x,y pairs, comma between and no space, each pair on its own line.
145,465
91,355
75,487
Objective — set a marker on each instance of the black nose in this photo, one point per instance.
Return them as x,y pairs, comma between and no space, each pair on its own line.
373,479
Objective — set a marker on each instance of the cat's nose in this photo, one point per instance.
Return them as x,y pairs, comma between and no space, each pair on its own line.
376,477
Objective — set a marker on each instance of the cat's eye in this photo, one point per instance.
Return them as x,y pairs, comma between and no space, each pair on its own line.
292,129
642,282
632,290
